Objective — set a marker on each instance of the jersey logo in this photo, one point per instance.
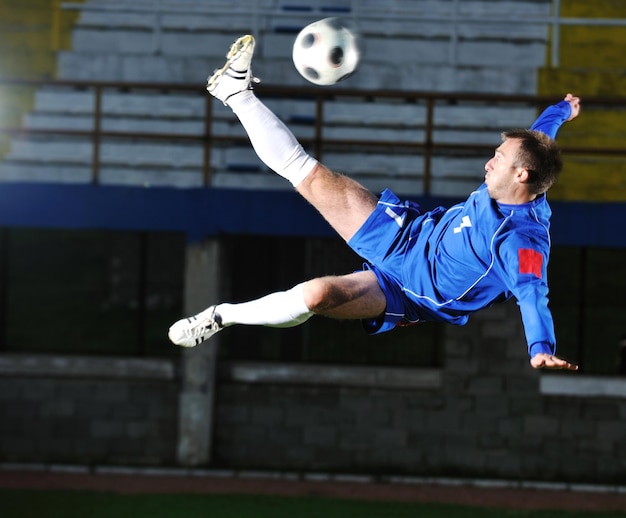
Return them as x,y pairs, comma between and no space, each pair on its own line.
399,218
530,261
465,223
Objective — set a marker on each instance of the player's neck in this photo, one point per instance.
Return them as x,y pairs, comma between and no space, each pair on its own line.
516,194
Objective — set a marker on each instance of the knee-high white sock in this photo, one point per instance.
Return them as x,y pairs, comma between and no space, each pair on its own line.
280,309
272,141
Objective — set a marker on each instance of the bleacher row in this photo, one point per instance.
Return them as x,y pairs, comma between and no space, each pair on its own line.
452,45
179,162
181,42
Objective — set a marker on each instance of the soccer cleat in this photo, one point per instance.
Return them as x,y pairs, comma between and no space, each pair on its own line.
192,331
236,75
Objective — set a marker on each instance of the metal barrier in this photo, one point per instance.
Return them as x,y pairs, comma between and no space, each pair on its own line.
323,99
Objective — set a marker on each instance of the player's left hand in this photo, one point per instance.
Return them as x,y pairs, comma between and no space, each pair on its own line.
549,361
574,103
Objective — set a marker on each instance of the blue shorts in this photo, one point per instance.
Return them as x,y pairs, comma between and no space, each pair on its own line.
383,240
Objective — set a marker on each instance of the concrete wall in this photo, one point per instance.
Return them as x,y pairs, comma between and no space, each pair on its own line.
87,410
487,418
486,413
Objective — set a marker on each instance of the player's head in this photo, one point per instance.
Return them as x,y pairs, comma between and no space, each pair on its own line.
540,155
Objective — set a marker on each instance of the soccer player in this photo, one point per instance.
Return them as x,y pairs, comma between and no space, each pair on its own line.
440,265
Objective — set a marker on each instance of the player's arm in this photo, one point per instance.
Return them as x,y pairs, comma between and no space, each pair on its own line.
553,117
538,326
539,329
523,266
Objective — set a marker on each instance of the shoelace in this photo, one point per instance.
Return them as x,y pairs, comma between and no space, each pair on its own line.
199,327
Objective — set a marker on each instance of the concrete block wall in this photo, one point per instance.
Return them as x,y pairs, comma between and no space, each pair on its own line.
483,415
488,418
74,415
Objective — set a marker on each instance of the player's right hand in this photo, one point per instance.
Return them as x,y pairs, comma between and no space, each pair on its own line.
574,102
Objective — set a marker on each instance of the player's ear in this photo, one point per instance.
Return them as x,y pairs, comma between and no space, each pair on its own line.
522,175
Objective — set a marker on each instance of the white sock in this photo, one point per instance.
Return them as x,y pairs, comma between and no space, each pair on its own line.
280,309
272,141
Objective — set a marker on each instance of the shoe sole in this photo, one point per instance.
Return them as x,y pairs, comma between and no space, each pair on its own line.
236,49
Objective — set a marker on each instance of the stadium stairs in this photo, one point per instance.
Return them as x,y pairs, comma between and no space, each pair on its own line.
130,41
127,41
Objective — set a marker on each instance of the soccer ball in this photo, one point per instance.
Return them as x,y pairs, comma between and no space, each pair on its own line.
325,52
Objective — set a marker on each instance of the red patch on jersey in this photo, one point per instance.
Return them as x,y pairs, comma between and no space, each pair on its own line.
530,261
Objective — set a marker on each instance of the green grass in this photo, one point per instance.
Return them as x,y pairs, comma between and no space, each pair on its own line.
70,504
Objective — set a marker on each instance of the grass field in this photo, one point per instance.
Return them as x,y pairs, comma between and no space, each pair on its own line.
84,504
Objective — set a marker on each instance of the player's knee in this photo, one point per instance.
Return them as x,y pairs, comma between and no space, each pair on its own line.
321,294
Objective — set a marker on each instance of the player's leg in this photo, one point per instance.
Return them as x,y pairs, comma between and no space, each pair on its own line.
352,296
344,203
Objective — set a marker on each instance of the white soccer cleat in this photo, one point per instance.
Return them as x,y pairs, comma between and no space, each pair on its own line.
192,331
236,75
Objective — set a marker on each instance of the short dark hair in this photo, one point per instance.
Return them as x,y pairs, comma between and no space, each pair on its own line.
540,155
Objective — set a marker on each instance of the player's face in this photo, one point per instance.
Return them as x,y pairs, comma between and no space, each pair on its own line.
501,170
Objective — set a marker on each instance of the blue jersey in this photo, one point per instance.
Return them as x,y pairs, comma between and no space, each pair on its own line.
443,265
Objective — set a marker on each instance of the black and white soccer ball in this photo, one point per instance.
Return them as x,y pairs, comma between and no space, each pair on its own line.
326,52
